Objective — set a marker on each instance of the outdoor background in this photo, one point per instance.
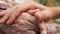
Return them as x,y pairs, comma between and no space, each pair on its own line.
49,2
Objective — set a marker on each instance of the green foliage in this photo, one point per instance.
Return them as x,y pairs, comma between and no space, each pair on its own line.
57,2
49,2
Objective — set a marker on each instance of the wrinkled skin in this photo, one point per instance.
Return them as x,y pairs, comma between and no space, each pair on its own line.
24,24
21,21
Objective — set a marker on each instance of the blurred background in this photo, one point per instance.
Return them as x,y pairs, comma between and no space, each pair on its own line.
49,2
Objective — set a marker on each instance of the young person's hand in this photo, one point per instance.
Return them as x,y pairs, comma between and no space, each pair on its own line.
45,15
42,15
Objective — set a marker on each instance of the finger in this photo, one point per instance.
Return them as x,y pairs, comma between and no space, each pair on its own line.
2,13
15,14
43,27
19,9
41,15
32,12
6,16
38,16
44,32
41,24
11,20
13,17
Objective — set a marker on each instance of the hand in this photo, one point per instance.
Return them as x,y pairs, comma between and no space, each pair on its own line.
45,15
41,24
42,15
13,13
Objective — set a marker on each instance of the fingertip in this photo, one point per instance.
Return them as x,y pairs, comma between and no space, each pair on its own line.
2,22
7,23
31,12
2,13
10,21
37,15
37,10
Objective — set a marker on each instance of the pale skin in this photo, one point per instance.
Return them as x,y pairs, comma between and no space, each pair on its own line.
11,14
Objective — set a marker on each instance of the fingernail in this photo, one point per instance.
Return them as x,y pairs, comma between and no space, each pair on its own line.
7,23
